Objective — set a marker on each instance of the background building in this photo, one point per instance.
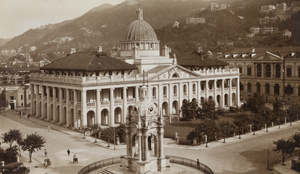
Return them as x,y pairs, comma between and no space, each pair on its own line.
85,88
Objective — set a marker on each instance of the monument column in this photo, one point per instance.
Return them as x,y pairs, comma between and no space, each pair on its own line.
140,145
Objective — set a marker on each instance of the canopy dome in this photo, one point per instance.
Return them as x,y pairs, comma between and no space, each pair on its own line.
140,30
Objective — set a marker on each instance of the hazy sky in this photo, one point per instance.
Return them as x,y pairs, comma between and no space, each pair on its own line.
17,16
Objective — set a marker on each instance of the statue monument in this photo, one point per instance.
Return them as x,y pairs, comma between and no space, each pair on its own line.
144,127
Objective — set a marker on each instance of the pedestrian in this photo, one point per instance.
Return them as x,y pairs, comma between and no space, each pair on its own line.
48,128
45,153
68,151
198,164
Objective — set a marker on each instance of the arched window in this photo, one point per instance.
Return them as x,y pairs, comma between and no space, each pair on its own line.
175,90
268,70
194,88
249,87
288,90
165,91
259,70
267,88
276,89
258,87
278,70
184,90
154,92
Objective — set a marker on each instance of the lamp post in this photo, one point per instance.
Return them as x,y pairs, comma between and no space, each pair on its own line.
205,140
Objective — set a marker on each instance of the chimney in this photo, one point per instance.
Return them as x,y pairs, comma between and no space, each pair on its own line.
99,49
73,50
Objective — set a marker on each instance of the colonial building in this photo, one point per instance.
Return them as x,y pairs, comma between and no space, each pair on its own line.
84,88
275,75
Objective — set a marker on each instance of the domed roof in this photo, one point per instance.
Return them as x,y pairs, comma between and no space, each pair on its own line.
140,30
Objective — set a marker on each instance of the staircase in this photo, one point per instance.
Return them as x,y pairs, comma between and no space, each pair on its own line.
105,171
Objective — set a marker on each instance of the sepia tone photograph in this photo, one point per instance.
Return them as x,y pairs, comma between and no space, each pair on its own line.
150,87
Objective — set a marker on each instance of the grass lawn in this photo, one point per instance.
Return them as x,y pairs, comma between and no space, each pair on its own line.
183,128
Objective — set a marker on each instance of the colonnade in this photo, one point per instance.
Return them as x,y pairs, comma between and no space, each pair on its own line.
109,105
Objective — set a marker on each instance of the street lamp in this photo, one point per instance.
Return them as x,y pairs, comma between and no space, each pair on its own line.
205,140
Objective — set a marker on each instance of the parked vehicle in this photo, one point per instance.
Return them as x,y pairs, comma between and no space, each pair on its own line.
15,168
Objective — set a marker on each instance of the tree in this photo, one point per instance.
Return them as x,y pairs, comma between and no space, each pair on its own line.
195,134
257,121
11,154
11,136
278,111
285,147
95,130
190,110
255,103
85,129
208,110
293,112
296,138
208,127
32,143
241,121
226,128
121,132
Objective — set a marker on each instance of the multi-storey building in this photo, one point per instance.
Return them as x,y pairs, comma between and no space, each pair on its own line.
274,75
85,88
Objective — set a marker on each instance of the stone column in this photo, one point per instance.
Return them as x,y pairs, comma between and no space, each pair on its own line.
83,119
98,104
75,110
272,70
189,91
37,101
170,99
54,105
262,70
180,91
48,102
230,92
238,91
136,94
140,145
146,144
67,107
160,95
32,99
199,91
215,90
207,89
222,102
124,104
60,105
112,101
42,102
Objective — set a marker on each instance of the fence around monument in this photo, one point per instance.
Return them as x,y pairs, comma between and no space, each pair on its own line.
173,159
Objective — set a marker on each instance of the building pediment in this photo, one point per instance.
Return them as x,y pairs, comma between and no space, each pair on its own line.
267,57
171,72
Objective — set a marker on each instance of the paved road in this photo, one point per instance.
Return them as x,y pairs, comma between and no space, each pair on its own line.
248,155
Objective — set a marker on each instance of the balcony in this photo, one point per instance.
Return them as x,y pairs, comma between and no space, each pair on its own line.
118,101
105,102
131,100
93,104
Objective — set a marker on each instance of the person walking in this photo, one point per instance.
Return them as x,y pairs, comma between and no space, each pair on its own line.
68,151
198,164
45,153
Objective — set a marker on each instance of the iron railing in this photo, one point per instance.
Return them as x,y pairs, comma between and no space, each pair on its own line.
173,159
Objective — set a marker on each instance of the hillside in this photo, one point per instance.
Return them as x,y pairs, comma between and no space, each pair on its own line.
102,27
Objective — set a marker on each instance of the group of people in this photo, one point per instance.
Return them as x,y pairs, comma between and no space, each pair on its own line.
48,163
75,158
